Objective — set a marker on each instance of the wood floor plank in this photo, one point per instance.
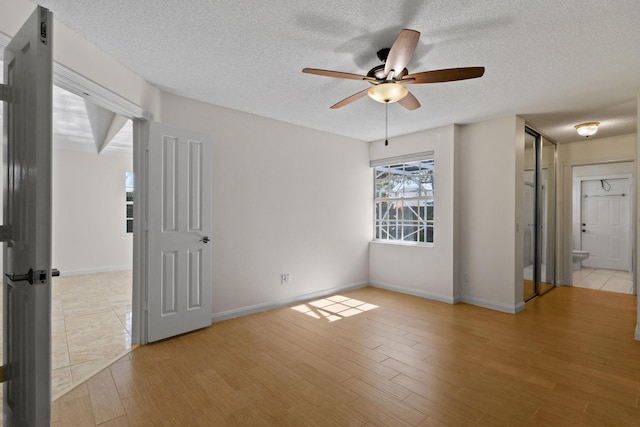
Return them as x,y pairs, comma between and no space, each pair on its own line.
447,412
568,359
337,391
377,386
105,400
122,421
364,368
378,414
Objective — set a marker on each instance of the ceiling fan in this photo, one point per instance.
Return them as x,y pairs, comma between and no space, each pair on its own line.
388,79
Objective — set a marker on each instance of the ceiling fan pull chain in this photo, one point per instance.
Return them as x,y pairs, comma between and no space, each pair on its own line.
386,123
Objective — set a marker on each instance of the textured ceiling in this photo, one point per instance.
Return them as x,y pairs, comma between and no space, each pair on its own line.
554,63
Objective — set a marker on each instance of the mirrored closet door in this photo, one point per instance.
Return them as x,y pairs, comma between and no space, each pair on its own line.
539,214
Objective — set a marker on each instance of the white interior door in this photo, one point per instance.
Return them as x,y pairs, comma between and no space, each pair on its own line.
179,230
27,218
605,223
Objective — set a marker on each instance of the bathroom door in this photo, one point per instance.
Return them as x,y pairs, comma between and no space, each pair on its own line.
605,225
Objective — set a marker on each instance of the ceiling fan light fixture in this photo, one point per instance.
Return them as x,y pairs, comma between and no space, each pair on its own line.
587,129
387,92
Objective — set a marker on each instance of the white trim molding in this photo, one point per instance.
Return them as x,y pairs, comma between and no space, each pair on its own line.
417,293
70,80
65,273
505,308
75,83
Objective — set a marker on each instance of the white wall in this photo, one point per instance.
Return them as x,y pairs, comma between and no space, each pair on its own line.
478,217
417,269
491,213
286,199
89,223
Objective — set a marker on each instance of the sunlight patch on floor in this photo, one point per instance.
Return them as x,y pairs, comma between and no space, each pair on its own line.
334,308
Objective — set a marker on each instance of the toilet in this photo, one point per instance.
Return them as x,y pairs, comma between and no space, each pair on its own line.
578,257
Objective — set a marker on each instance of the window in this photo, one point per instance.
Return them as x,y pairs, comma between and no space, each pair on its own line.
404,199
128,184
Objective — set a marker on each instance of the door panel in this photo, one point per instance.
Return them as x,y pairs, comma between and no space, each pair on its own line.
605,223
179,252
27,214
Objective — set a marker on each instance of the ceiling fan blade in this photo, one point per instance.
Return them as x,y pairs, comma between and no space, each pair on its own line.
446,75
350,99
336,74
401,51
409,102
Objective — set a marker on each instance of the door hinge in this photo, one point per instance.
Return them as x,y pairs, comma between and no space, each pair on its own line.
5,233
7,93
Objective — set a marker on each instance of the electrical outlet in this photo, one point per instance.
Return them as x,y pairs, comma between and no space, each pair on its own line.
467,277
284,279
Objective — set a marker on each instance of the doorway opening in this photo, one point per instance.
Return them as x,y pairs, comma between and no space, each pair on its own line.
91,301
602,228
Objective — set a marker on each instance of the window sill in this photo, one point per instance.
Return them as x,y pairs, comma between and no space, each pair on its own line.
403,243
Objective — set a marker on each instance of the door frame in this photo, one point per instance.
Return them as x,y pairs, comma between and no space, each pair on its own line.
567,213
85,88
577,210
139,304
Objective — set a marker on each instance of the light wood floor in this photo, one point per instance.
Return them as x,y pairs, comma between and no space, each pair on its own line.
371,357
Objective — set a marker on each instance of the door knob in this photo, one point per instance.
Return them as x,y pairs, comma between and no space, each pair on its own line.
33,276
205,239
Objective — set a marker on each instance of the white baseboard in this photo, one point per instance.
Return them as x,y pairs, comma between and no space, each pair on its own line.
637,332
416,293
505,308
243,311
95,270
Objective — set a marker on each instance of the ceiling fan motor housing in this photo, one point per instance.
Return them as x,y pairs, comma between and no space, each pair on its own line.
383,54
377,72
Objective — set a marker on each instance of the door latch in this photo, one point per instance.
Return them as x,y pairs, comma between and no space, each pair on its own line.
37,277
205,239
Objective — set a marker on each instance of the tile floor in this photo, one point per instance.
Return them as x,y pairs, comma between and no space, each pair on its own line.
605,280
91,326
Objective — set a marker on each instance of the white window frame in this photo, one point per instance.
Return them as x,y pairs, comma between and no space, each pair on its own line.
422,228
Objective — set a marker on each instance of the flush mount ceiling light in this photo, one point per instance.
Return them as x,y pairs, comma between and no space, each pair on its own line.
387,92
587,129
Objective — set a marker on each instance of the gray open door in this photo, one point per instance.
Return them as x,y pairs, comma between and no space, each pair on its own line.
27,223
